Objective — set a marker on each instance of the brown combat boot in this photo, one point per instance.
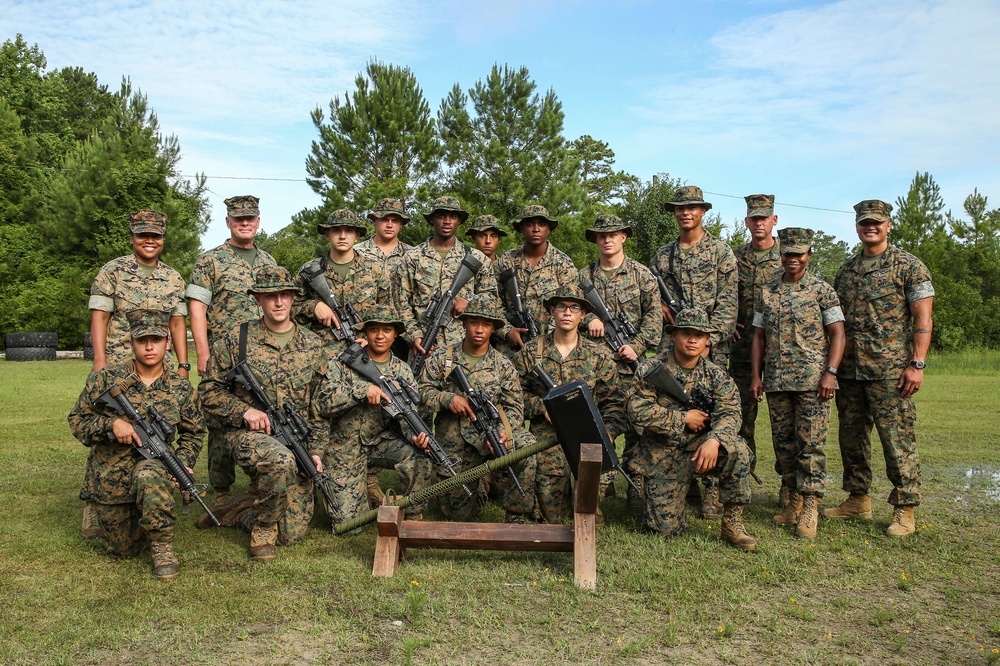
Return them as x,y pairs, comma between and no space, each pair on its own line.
855,506
902,523
733,530
91,525
165,564
790,516
512,518
710,505
223,496
635,497
808,517
263,543
375,495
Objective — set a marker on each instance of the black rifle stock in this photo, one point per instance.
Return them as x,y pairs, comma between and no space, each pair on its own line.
155,434
674,303
487,420
520,316
438,313
617,330
402,398
347,318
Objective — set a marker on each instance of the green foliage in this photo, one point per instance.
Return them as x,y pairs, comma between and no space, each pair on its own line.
828,255
295,244
642,207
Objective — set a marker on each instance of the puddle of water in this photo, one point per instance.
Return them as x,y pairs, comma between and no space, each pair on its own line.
989,478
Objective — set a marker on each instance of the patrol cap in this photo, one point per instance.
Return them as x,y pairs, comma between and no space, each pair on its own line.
485,222
606,223
148,222
693,318
143,323
872,209
532,212
246,205
382,314
687,195
389,206
343,218
570,292
795,240
760,205
447,205
482,306
271,279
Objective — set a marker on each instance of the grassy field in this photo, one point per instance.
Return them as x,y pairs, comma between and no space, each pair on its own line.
851,596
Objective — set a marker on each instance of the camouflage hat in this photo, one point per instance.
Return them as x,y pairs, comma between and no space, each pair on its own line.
872,209
271,279
243,206
447,205
795,240
760,205
694,318
484,222
570,292
532,212
142,323
605,223
386,207
148,222
343,218
382,314
688,195
484,307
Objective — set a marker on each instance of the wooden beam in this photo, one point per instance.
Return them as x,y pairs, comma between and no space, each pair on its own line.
588,484
388,549
486,536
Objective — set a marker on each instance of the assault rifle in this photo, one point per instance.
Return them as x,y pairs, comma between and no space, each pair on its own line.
674,304
155,434
401,405
618,329
346,317
520,316
287,426
487,420
438,313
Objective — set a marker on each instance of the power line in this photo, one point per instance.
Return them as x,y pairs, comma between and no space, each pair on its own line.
781,203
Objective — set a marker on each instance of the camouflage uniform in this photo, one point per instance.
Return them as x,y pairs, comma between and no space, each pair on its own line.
878,324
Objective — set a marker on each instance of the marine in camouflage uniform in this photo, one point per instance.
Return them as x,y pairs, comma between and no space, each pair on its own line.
887,297
798,341
357,282
486,233
492,374
134,497
218,300
757,263
387,210
589,362
361,432
676,442
290,364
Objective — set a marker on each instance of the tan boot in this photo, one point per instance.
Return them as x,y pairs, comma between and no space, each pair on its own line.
165,564
902,522
808,517
790,516
733,530
223,496
91,525
375,495
598,518
710,505
263,543
855,506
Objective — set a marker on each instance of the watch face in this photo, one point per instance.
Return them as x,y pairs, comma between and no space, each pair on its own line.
919,365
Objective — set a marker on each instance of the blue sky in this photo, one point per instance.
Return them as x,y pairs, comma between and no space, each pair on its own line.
820,103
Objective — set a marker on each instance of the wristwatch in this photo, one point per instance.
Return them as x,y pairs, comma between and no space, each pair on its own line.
184,366
919,365
832,370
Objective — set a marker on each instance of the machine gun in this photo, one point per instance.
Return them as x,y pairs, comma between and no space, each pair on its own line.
155,434
346,317
520,316
618,329
674,303
401,405
487,420
438,313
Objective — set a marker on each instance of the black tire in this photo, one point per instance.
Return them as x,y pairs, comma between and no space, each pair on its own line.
88,353
32,340
87,342
31,353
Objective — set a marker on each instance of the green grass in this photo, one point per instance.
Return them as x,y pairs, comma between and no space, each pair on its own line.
851,596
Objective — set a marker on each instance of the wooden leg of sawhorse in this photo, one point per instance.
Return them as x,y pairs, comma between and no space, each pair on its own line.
588,483
388,549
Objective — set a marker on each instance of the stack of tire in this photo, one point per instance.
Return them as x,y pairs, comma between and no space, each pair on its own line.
88,347
32,346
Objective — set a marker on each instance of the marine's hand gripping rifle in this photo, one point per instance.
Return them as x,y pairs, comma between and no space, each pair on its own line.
617,330
402,399
438,313
346,317
487,421
155,434
287,426
520,316
674,303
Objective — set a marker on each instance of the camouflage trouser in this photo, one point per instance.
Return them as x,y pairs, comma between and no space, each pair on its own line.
349,466
799,423
284,498
221,464
126,529
553,486
458,506
740,372
666,491
861,404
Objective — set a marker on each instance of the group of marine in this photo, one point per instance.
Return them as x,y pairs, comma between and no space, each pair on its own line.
273,354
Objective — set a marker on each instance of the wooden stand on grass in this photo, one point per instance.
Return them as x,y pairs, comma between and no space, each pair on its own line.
395,535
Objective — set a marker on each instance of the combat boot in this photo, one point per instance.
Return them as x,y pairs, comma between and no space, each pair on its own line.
91,526
733,530
790,516
902,523
223,496
855,506
263,543
227,514
165,564
375,495
635,493
710,505
808,517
